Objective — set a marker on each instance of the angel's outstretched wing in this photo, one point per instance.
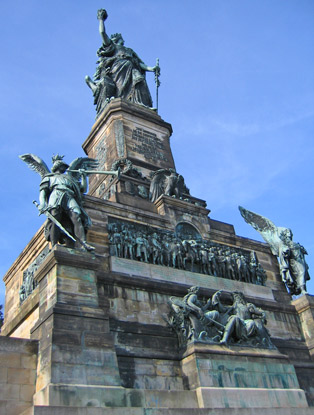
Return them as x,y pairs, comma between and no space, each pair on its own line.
84,163
265,227
35,163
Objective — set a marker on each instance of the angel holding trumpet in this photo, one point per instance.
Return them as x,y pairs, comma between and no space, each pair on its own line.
61,198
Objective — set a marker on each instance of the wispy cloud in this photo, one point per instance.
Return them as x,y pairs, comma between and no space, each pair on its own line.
212,125
242,129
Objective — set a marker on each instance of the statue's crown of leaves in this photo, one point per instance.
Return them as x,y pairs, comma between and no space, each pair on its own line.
57,157
116,36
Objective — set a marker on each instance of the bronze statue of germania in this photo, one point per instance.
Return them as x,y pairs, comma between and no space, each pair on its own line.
120,72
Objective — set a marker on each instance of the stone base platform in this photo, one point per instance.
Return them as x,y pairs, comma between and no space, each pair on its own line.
117,399
57,410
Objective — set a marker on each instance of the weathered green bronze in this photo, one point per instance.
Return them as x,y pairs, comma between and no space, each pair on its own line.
183,249
246,324
54,220
120,72
293,268
29,283
167,182
60,197
211,321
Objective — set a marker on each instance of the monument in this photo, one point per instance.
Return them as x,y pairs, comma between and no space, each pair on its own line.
132,299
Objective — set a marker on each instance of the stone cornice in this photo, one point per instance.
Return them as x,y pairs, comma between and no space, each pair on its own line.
118,210
182,205
201,348
303,303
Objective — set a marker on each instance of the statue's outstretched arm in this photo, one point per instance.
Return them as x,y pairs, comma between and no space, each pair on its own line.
147,68
102,16
43,200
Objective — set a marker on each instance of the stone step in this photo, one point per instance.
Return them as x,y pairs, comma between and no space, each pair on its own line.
82,396
58,410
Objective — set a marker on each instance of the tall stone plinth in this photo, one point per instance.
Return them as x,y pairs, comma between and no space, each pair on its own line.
75,344
129,132
305,308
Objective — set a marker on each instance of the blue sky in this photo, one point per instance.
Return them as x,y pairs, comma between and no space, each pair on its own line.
237,85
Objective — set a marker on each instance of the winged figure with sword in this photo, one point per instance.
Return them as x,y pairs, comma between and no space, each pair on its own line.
61,197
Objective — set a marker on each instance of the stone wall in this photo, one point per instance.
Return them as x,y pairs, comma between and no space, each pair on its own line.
18,363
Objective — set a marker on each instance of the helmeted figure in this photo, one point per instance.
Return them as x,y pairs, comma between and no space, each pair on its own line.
121,73
61,192
293,267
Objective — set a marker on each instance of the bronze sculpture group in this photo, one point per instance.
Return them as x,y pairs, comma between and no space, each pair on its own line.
120,72
188,253
212,321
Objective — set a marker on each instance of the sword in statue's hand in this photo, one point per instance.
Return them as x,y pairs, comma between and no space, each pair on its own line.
54,220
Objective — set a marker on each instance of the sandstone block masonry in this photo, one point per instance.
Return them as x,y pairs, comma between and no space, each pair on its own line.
18,364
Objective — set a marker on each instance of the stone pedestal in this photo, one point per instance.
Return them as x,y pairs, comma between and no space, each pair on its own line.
76,348
106,344
131,132
305,308
241,377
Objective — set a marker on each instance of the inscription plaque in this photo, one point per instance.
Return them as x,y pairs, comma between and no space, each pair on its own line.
148,144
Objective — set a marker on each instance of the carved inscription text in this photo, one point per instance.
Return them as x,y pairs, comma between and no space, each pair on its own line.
148,144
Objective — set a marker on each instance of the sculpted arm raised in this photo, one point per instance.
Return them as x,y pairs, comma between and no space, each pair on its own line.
102,16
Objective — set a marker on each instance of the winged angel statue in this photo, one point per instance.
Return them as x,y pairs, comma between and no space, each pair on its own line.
60,198
293,268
